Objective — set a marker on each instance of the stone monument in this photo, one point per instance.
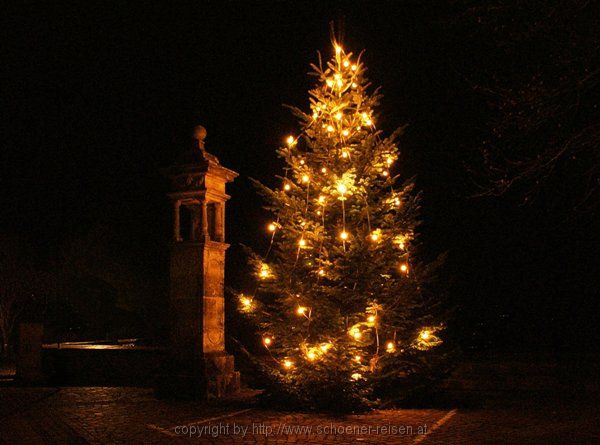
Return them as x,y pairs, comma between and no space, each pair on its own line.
199,366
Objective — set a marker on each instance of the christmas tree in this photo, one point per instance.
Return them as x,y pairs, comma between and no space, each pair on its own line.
339,300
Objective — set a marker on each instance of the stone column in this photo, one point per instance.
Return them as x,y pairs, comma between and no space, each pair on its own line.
204,221
220,222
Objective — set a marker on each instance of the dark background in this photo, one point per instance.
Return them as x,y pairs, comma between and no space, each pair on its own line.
98,97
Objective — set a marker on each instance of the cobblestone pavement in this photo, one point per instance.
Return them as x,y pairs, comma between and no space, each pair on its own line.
96,415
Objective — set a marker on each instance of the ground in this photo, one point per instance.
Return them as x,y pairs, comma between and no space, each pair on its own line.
100,415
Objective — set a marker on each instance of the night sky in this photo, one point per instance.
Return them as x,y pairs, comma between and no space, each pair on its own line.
98,97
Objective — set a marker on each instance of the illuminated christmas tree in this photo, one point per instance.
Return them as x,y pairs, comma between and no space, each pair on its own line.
339,301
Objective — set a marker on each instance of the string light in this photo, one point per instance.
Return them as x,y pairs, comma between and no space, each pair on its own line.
390,347
291,141
375,235
385,173
272,227
301,310
265,271
356,376
267,341
246,303
287,187
325,347
338,49
330,128
344,154
371,319
345,132
321,272
321,199
344,235
288,364
302,242
404,267
355,333
341,187
346,63
425,334
353,67
324,170
311,355
357,358
305,179
339,116
329,83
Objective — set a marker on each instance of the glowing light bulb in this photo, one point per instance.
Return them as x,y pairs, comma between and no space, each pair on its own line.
311,355
321,199
390,161
287,364
291,140
356,376
287,187
329,83
302,162
425,334
265,272
385,173
344,235
404,267
305,178
346,63
353,67
246,302
345,132
321,272
323,170
339,82
318,212
357,358
344,154
301,310
342,188
315,115
356,334
354,85
368,122
267,341
375,235
390,347
338,49
371,319
302,242
337,76
339,116
325,347
397,201
330,128
272,227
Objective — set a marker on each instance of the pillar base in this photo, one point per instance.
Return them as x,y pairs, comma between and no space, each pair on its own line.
216,378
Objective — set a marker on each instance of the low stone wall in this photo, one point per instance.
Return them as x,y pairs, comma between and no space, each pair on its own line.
101,365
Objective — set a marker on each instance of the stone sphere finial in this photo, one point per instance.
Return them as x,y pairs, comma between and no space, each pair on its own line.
199,135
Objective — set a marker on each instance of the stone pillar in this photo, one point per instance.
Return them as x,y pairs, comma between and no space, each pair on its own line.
199,366
220,222
204,221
